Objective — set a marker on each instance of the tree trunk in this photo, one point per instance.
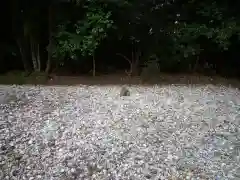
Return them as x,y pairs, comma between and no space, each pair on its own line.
38,58
50,24
94,66
18,32
34,48
135,60
136,64
33,55
22,49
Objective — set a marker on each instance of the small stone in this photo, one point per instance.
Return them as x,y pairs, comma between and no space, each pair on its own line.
15,172
18,157
39,176
148,176
51,143
3,148
73,170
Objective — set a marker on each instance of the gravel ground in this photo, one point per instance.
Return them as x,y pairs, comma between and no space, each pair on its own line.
90,132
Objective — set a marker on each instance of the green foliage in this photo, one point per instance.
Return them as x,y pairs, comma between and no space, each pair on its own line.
171,30
210,22
66,43
93,29
86,35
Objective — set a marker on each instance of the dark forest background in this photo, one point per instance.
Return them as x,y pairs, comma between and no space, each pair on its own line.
137,37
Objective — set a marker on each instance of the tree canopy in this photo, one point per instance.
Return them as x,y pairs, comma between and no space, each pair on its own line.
80,35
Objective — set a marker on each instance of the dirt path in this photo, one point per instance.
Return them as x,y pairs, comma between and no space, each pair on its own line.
162,80
118,79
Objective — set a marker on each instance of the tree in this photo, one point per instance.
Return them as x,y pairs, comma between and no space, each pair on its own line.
19,32
87,35
171,31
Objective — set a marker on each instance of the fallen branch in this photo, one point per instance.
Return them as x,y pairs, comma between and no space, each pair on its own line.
119,54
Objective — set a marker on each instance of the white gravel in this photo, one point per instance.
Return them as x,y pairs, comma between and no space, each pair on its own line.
90,132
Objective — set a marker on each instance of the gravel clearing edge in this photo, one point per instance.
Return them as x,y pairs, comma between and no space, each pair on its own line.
90,132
